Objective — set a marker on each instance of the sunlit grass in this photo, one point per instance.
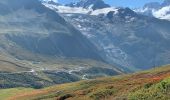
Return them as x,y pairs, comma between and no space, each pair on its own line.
7,93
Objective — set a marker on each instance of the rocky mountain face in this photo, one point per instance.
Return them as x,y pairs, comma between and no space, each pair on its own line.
155,9
118,36
125,38
90,4
50,2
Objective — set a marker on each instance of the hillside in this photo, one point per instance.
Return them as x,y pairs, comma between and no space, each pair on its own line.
147,85
23,73
39,48
28,28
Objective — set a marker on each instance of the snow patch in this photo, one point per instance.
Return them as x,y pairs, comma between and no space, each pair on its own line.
142,10
67,9
85,77
80,10
104,11
163,13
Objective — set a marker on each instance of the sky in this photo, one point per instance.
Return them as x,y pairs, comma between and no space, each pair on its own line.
130,3
122,3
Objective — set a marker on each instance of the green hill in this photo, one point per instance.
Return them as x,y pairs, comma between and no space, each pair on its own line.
147,85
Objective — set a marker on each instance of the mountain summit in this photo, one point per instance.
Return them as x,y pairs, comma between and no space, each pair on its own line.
156,9
90,4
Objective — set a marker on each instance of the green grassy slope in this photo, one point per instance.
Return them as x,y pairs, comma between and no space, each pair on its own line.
148,85
6,93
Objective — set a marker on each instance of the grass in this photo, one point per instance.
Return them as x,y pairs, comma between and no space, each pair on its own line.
148,85
159,91
7,93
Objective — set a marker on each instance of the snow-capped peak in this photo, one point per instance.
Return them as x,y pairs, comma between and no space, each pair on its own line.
80,10
122,12
67,9
155,9
82,7
90,4
163,13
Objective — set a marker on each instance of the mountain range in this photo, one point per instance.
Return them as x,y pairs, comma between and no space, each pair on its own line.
38,48
43,43
125,38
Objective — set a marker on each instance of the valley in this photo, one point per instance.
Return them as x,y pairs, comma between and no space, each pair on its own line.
16,73
146,84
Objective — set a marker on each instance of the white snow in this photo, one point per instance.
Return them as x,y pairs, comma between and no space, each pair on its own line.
163,13
84,77
91,6
104,11
80,10
67,9
142,10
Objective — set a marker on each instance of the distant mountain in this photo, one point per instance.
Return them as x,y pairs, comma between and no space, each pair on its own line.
155,9
50,2
125,38
89,4
81,9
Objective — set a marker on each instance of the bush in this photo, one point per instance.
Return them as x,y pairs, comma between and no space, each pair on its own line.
102,93
146,86
159,91
164,86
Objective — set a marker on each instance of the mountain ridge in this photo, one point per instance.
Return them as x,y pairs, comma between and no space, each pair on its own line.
157,10
89,4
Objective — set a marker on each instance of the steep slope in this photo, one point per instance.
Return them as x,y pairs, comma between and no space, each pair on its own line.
126,39
90,4
144,85
35,28
39,48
